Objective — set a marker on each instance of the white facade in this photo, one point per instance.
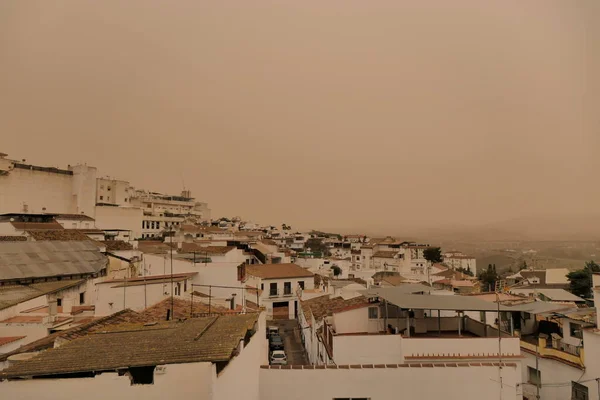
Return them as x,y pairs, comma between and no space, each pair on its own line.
465,382
27,188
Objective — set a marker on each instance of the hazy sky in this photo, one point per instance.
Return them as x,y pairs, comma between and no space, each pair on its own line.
378,114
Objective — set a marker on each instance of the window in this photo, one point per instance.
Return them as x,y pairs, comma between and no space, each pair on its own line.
301,284
185,286
141,375
373,313
107,198
273,289
148,205
143,224
101,197
526,316
534,376
59,302
287,288
157,224
125,199
579,391
575,330
108,188
82,298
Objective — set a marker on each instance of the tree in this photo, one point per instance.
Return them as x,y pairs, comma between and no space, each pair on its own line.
489,277
317,246
465,271
337,271
523,266
581,280
433,255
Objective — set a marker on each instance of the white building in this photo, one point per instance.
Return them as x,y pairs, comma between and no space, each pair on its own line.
457,259
26,188
214,358
280,287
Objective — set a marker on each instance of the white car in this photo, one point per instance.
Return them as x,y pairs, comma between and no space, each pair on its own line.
278,357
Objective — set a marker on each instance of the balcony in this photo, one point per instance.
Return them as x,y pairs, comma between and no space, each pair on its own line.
553,347
286,292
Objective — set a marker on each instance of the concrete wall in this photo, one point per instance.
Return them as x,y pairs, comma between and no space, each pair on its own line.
179,381
368,349
38,190
459,346
240,379
356,321
464,383
136,298
32,331
129,218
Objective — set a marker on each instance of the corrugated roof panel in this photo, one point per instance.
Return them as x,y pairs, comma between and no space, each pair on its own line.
43,259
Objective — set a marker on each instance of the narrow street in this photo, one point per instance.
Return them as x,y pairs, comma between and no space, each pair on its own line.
290,332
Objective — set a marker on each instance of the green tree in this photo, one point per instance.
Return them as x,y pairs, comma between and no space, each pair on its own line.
317,246
337,271
523,266
433,255
580,281
465,271
489,277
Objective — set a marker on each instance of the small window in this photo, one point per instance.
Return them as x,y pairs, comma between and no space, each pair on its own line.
579,391
149,206
526,316
82,298
101,197
575,330
125,199
534,376
301,284
157,224
142,375
108,188
59,302
373,313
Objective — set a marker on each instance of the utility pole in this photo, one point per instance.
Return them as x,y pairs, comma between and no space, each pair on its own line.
537,369
171,251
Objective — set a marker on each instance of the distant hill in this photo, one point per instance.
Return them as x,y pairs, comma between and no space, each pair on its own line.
534,228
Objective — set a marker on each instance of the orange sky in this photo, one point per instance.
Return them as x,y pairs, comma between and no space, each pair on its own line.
332,115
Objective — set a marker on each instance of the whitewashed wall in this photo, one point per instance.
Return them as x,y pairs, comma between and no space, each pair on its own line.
129,218
368,349
179,381
452,383
459,346
356,321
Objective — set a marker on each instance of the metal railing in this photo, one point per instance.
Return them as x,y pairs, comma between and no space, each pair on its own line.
566,347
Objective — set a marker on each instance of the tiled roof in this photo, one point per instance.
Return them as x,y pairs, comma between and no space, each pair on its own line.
385,254
13,239
115,245
210,339
202,250
324,305
394,280
11,295
57,234
9,339
37,225
277,271
149,280
153,247
78,331
181,309
75,217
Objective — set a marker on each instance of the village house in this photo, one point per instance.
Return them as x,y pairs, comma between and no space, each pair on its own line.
279,287
199,358
457,259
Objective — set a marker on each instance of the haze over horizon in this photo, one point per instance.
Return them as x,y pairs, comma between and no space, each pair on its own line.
341,115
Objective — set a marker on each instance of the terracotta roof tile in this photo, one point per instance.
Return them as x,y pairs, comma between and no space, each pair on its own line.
209,339
9,339
277,271
324,305
115,245
58,234
37,225
13,238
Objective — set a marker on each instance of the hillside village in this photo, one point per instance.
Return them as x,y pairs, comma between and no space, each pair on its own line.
107,290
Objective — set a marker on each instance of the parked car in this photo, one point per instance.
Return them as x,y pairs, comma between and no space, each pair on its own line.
275,343
272,330
278,357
